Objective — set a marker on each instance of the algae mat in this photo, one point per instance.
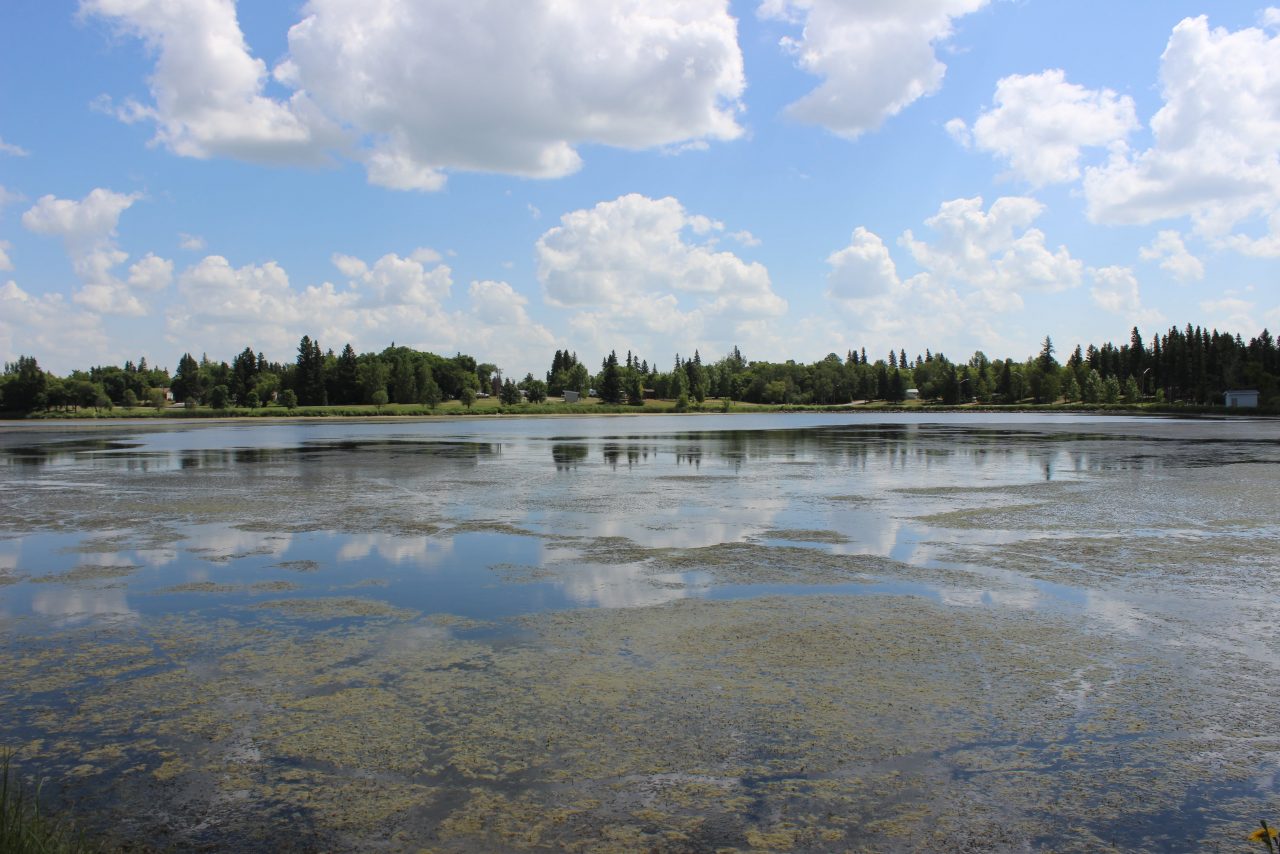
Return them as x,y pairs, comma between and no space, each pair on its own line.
824,723
632,635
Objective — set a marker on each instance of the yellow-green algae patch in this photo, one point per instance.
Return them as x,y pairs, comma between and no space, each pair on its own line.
199,587
87,572
822,723
804,535
325,608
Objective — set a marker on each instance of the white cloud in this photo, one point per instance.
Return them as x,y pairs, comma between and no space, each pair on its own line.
254,304
191,242
973,273
635,246
1216,151
11,149
634,266
1115,289
502,330
393,280
207,90
1040,122
1172,253
8,197
996,253
416,89
875,58
5,262
87,228
862,269
394,298
152,273
1234,313
59,335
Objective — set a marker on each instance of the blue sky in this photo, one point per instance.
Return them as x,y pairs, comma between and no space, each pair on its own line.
795,177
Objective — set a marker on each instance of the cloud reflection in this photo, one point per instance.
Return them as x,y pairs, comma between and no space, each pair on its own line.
422,551
77,605
624,586
223,543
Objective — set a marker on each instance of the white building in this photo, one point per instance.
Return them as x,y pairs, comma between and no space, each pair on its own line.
913,394
570,396
1242,398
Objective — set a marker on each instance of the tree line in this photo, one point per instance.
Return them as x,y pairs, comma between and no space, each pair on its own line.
1190,365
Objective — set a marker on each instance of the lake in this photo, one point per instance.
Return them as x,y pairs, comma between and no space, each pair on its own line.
752,632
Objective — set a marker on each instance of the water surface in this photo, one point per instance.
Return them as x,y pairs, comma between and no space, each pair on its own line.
800,632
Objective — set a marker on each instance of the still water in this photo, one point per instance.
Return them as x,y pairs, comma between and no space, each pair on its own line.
771,633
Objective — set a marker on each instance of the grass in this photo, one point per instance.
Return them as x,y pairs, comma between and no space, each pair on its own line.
24,829
592,406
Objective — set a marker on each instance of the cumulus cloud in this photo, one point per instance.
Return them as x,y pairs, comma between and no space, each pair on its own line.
1240,313
393,280
5,262
11,149
636,246
862,269
152,273
1040,123
1173,256
1216,151
1115,289
502,329
875,58
639,264
974,270
997,253
88,228
191,242
60,335
394,298
416,89
219,302
207,90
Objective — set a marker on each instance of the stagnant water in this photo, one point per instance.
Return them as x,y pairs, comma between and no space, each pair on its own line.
769,633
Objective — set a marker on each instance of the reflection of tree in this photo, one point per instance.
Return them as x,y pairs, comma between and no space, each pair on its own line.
614,453
567,456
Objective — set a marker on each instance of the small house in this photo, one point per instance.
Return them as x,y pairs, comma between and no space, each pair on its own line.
570,396
1242,398
913,394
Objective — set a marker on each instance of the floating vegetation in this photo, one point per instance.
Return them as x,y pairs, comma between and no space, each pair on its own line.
274,586
329,608
682,725
804,536
199,587
87,572
298,565
937,662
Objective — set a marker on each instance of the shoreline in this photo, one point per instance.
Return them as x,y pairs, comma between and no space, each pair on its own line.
346,416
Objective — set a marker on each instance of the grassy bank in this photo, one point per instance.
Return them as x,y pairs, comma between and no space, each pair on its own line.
591,406
25,829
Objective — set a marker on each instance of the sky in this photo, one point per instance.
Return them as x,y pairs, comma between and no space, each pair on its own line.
507,178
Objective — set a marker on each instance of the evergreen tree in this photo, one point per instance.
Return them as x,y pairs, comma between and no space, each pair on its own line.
610,390
697,377
309,378
26,385
187,383
347,383
510,393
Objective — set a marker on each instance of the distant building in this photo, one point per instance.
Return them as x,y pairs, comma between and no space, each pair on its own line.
1242,398
570,396
913,394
